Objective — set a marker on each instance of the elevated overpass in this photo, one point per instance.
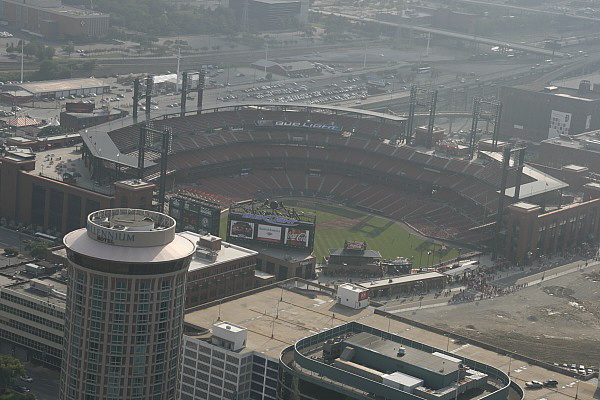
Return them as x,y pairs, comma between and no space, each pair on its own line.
523,9
455,35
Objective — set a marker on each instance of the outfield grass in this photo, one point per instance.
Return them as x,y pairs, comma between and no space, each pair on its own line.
335,224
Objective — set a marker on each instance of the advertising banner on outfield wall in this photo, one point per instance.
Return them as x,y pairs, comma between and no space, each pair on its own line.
296,237
269,233
241,230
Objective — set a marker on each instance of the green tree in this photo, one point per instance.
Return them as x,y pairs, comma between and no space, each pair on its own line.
10,369
37,249
50,69
52,130
68,49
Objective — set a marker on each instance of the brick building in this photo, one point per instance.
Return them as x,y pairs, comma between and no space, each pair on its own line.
536,112
56,200
582,150
219,269
532,233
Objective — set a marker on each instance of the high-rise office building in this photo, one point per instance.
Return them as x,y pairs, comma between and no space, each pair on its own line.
124,314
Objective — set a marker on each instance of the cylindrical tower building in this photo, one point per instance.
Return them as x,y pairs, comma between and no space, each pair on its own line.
124,315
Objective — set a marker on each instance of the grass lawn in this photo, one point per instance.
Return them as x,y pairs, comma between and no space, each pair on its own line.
336,224
10,395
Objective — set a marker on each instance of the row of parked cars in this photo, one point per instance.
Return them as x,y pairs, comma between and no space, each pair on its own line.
539,385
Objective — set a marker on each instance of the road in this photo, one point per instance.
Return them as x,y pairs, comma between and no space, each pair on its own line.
151,64
530,277
525,9
45,385
455,35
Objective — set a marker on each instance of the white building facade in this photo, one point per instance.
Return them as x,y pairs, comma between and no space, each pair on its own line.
220,367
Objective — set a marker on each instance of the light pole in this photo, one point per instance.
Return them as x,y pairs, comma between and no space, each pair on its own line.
457,382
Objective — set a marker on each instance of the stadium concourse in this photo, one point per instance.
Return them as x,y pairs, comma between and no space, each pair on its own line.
354,157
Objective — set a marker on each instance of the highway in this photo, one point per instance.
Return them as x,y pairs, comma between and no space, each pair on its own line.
524,9
455,35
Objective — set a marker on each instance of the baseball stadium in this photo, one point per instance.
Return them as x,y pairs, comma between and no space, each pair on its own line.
350,157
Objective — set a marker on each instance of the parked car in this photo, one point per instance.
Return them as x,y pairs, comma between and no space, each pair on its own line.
534,385
26,378
550,383
20,389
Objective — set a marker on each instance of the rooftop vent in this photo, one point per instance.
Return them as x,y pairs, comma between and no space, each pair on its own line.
585,86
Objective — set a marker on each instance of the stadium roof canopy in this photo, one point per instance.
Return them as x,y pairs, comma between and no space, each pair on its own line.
541,183
101,146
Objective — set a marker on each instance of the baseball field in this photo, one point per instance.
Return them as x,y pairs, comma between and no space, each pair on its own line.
336,223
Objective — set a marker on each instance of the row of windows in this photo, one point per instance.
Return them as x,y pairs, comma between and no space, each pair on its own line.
46,309
220,270
32,317
32,330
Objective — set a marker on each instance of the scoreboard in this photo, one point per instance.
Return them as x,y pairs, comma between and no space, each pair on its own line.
292,231
196,215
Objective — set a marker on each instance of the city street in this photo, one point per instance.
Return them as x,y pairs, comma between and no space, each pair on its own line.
45,382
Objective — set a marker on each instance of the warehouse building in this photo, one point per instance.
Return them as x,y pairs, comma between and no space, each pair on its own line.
537,112
55,89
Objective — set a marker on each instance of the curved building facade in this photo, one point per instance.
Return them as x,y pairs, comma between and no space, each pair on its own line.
124,314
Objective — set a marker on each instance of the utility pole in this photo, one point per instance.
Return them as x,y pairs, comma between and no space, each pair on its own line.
266,57
178,62
22,46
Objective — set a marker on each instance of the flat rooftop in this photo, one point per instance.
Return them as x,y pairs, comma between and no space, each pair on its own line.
525,206
228,252
25,288
304,314
412,356
290,255
561,91
355,253
54,162
400,280
61,85
575,141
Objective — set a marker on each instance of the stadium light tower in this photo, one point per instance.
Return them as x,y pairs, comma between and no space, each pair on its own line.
421,99
487,110
157,142
507,166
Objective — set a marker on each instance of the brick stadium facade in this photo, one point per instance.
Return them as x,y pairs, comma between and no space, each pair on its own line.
342,155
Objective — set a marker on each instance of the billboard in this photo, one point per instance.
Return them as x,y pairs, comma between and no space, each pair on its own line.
255,222
80,107
363,295
268,233
301,125
241,229
195,215
296,237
